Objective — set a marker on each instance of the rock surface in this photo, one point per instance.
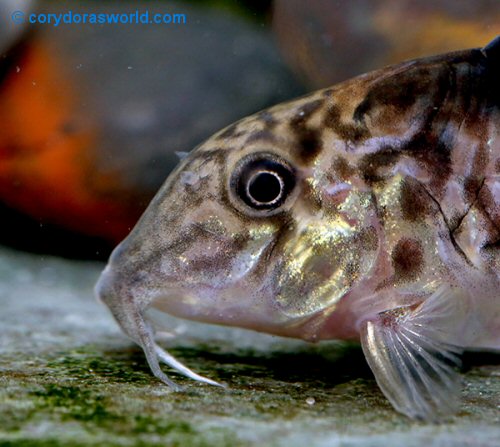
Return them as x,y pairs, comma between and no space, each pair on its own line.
68,376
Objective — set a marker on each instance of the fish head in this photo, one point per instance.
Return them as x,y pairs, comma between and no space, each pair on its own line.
250,230
285,219
288,220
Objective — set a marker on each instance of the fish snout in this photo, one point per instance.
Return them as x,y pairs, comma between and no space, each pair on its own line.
105,288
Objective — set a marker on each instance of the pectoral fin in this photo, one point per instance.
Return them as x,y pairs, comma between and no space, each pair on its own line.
409,352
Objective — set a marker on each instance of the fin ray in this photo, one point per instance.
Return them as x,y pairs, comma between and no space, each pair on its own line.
413,363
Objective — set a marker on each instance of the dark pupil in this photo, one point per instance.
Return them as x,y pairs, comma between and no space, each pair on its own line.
263,183
264,187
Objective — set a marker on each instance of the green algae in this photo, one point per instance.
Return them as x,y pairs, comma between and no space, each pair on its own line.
95,407
75,403
124,366
107,392
110,398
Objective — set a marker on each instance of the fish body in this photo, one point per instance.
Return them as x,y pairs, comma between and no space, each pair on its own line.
366,211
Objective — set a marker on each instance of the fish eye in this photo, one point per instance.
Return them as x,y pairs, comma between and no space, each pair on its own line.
263,181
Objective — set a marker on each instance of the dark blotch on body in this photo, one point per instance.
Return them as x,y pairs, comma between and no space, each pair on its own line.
356,132
414,201
432,146
399,91
309,144
309,139
371,164
472,186
407,259
342,168
231,131
304,113
427,94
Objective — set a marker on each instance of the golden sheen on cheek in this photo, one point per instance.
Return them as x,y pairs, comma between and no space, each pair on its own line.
321,264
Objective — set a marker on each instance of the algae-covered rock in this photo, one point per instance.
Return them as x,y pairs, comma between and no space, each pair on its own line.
69,377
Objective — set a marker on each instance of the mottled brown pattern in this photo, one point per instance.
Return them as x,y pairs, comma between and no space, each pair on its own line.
481,158
370,165
426,94
309,144
268,119
216,153
407,259
497,166
355,132
265,136
434,154
312,201
472,185
230,132
393,204
342,168
415,204
399,91
309,139
304,113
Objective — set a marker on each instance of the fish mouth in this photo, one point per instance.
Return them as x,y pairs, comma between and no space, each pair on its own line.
126,293
111,290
